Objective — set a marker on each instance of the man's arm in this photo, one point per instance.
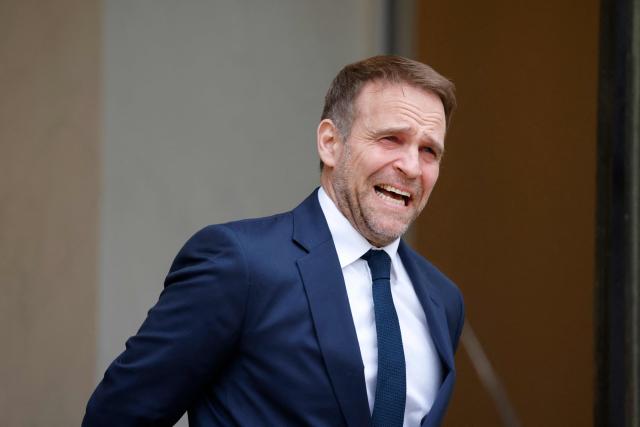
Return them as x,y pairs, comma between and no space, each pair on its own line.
186,338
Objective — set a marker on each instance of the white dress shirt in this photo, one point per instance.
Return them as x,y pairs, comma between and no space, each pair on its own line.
424,372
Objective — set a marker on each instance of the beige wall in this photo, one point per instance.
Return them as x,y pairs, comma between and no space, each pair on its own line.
512,220
49,170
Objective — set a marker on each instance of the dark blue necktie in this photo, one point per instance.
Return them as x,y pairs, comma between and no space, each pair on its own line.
388,407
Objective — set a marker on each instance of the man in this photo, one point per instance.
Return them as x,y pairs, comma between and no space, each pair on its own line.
320,316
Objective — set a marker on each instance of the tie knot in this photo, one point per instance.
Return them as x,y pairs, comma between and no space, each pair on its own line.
379,264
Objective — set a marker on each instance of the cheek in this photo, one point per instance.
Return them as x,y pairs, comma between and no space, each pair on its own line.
429,179
364,170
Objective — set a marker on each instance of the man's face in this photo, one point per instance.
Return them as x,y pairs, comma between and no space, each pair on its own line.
382,175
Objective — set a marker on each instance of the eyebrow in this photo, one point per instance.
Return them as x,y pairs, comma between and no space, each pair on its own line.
393,129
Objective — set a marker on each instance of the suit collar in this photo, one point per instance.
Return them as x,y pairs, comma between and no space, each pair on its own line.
309,225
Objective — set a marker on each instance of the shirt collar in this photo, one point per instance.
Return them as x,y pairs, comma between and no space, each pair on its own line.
350,245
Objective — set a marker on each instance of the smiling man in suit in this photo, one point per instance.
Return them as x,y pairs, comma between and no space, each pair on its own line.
320,316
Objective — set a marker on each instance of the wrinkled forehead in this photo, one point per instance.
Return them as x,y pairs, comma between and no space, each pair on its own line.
382,90
378,97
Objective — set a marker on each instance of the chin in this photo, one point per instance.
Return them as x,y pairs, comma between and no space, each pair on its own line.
383,235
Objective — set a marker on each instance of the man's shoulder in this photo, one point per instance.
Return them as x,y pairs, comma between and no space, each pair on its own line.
264,224
272,229
240,240
255,229
443,284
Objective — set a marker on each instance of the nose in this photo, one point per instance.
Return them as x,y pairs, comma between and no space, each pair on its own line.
408,162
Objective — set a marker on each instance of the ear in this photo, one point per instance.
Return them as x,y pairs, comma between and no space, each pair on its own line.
328,142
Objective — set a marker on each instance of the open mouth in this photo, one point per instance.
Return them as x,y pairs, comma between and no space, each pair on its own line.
393,194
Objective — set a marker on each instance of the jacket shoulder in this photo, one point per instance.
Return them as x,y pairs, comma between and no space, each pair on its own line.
240,231
444,284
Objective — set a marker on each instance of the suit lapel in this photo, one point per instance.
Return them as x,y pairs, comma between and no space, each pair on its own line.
330,311
433,309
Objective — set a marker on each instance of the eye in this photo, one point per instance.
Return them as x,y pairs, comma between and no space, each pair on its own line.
429,150
391,138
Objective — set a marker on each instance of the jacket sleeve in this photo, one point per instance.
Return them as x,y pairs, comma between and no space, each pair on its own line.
185,340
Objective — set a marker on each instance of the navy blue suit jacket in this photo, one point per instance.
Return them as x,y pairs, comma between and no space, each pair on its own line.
253,328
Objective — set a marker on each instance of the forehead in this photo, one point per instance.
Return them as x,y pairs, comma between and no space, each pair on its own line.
380,97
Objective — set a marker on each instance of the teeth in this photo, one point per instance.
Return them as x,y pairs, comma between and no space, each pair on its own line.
390,199
394,190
